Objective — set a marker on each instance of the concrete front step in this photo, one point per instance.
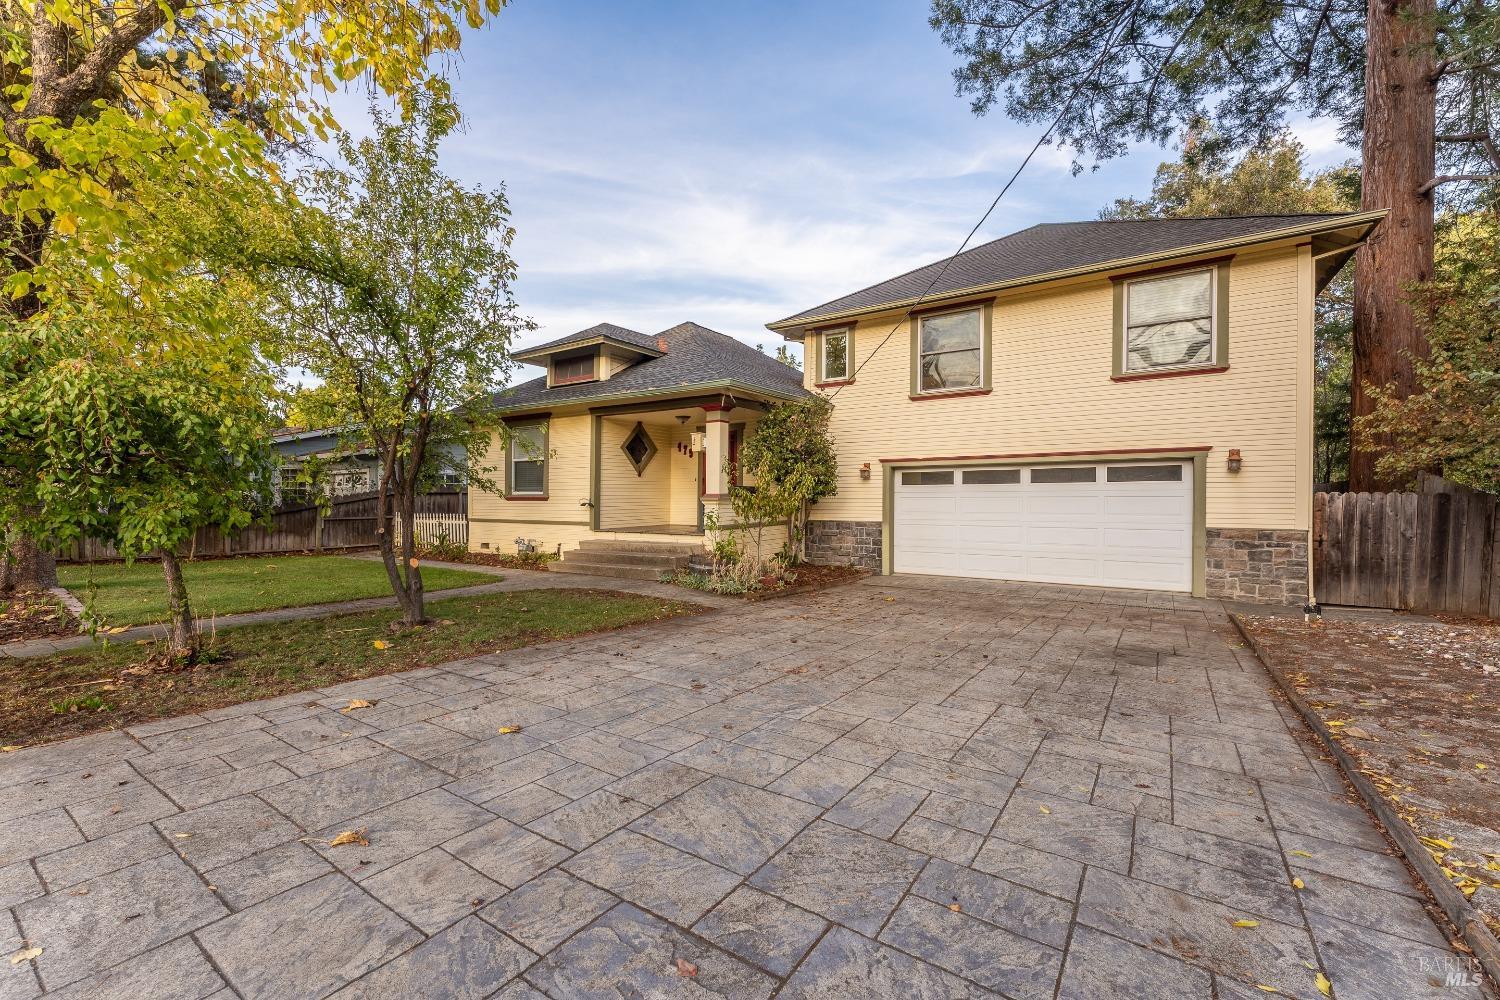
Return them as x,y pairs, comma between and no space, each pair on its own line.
663,560
618,570
603,545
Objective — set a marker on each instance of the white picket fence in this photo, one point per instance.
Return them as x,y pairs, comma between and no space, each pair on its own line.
431,529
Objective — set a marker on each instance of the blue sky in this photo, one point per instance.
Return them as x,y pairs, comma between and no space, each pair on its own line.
731,163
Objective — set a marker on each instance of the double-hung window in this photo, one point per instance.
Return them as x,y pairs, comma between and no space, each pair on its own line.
1172,322
950,351
834,361
528,461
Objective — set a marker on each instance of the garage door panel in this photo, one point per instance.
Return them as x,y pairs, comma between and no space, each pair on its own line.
1133,531
1061,508
1141,574
1153,508
1061,536
1143,539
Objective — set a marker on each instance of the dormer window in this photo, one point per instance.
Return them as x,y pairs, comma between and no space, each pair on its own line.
577,369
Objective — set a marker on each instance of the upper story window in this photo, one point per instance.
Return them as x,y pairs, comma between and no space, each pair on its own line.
1172,322
835,363
573,369
527,472
950,351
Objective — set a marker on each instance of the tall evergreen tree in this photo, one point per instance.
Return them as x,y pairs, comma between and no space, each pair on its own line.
1413,81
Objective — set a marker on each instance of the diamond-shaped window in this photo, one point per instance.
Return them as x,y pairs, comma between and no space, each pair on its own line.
639,448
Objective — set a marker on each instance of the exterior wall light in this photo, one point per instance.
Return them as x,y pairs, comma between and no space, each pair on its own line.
1235,461
864,471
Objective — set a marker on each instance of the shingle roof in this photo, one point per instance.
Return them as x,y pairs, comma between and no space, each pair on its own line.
608,330
695,356
1052,247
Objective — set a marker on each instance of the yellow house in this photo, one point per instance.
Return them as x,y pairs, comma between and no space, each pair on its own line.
1111,404
616,456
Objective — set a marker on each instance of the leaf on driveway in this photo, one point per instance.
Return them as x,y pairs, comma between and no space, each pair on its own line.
686,969
11,748
1297,883
1324,986
1300,854
356,837
25,955
1357,733
356,703
1045,810
1245,923
507,730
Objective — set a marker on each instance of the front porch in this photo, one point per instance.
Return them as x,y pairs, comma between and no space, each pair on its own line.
658,466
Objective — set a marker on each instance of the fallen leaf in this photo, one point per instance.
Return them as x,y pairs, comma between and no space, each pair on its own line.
381,644
1297,883
356,837
507,730
1045,810
24,956
1478,767
356,703
182,836
1357,733
686,969
1245,923
1266,989
1325,987
1300,854
12,748
955,907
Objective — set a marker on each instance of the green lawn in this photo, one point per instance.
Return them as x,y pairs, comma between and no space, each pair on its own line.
136,594
68,694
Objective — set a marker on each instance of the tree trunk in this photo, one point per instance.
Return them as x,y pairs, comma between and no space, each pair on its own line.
414,610
30,567
182,637
1399,158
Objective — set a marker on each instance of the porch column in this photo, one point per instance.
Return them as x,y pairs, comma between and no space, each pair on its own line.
715,451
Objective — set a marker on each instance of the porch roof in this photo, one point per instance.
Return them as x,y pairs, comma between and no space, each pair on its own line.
696,360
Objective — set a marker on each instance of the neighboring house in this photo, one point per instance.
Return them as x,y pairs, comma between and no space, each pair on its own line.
1120,404
624,438
346,469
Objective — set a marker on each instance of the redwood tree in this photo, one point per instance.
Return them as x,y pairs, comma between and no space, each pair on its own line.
1413,80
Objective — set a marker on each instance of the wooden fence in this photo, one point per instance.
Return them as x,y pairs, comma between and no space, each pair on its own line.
349,523
1434,550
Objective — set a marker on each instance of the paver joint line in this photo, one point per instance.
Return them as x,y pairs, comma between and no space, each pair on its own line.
903,787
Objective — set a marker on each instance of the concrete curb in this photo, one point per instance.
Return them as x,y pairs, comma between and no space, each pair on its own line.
1471,926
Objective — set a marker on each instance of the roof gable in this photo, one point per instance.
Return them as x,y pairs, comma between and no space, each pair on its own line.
598,333
694,356
1050,248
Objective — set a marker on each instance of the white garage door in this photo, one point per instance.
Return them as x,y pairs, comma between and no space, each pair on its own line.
1106,525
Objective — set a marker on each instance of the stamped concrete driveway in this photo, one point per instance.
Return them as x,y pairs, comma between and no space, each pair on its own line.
904,788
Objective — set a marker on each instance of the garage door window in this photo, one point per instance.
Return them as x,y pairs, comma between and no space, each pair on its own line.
1145,474
926,479
992,477
1050,475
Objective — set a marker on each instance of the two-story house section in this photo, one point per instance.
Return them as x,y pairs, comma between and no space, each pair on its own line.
1113,404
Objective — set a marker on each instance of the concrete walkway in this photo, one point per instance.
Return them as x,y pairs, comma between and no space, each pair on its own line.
522,579
902,788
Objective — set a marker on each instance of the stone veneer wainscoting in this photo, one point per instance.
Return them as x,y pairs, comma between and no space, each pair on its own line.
844,543
1264,566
